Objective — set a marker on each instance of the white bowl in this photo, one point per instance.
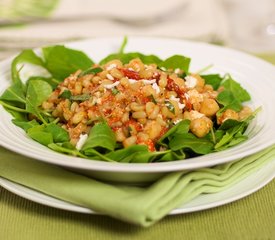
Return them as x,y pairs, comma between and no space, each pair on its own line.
255,75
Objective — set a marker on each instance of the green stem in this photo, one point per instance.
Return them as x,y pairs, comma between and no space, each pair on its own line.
13,107
121,49
204,69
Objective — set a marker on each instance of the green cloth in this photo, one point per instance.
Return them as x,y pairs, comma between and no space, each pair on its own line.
249,218
139,205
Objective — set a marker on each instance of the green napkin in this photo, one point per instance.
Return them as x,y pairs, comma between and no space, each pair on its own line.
139,205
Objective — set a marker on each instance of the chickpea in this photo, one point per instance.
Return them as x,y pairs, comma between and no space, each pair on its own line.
146,73
200,82
245,112
201,126
209,107
227,114
136,64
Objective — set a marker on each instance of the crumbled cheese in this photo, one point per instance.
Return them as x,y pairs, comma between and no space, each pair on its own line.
81,141
190,82
111,66
131,69
156,87
195,114
98,100
110,77
177,121
174,98
131,81
181,105
177,71
110,86
147,82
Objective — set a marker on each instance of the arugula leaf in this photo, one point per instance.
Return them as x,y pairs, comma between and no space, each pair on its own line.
59,134
37,92
127,57
14,93
171,156
91,71
228,99
26,56
189,141
180,128
26,125
230,134
101,136
50,80
62,61
176,61
126,154
213,79
39,134
66,94
236,89
66,148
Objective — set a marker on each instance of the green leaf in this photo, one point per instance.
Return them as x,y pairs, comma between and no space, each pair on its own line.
213,79
38,134
26,56
235,141
66,148
14,93
126,153
91,71
66,94
50,80
228,99
17,112
172,156
26,125
62,61
236,89
180,128
127,57
101,136
176,61
59,134
188,140
37,92
230,133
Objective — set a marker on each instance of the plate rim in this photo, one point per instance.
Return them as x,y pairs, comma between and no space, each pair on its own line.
157,167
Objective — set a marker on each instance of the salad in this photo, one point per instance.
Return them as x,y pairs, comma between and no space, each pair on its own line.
129,107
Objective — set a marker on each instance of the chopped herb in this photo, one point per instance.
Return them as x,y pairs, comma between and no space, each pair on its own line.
65,94
82,97
170,106
115,91
91,71
153,99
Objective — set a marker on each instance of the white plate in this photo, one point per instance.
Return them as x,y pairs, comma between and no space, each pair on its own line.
255,75
247,186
